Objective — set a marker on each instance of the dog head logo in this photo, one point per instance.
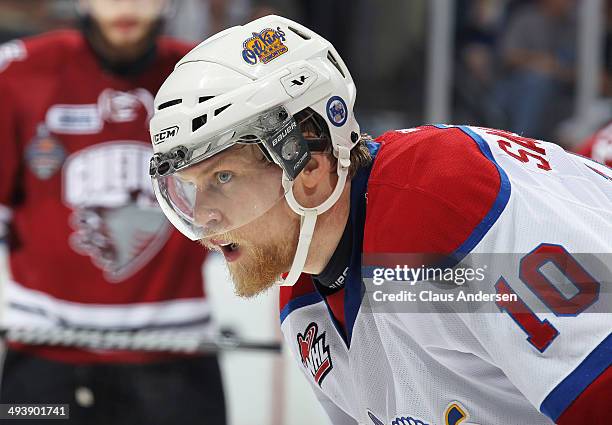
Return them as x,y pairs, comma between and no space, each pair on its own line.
115,217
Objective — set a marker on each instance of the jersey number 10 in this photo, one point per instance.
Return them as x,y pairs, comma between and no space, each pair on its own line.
541,333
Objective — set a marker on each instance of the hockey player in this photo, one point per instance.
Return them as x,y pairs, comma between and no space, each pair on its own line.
599,145
89,246
258,155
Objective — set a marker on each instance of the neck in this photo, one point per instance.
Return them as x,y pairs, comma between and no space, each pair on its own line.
328,232
112,54
127,60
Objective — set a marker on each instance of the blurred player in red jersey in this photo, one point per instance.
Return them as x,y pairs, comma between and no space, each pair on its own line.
599,146
89,247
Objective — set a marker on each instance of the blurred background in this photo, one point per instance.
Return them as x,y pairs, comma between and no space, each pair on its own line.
542,68
537,67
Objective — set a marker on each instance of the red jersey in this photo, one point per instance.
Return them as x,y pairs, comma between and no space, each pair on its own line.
599,146
89,246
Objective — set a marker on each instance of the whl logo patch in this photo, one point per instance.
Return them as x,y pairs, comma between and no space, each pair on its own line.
314,353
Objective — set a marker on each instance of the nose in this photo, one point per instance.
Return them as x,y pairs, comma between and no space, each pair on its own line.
207,212
210,219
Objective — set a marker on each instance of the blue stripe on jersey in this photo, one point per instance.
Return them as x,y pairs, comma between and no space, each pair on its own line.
498,206
299,302
354,286
576,382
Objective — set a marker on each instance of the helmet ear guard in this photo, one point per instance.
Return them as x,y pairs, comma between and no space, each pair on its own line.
289,149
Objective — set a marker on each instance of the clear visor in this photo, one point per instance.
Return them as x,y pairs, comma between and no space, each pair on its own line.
223,183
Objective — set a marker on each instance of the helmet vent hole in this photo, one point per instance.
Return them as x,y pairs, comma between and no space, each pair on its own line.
249,138
300,33
198,122
221,109
335,63
169,104
203,99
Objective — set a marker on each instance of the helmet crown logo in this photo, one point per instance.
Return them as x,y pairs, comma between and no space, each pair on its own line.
264,46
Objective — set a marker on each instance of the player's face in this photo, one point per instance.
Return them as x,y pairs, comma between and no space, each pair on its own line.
125,23
260,250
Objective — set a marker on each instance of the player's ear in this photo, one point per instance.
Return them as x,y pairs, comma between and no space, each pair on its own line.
312,186
315,172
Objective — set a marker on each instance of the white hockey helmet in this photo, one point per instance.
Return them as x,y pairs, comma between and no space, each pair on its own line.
243,86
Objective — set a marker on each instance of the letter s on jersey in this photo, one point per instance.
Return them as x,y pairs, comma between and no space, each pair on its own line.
508,143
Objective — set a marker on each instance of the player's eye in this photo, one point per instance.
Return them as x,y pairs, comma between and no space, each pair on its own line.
223,176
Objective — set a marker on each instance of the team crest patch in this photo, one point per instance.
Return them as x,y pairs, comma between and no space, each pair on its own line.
115,217
456,414
44,154
119,106
264,46
337,112
314,353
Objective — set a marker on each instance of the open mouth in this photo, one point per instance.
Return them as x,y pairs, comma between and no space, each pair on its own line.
230,250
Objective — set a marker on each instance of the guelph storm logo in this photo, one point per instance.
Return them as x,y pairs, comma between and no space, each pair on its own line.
115,217
314,353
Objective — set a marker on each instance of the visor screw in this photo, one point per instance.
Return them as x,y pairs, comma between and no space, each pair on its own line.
282,115
354,137
163,168
290,149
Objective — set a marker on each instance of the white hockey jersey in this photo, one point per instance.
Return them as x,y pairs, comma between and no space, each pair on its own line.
525,340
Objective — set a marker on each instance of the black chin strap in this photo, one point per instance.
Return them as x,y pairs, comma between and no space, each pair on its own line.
332,278
121,68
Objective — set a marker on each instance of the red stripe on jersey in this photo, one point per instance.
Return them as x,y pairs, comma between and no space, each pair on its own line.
303,286
592,405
